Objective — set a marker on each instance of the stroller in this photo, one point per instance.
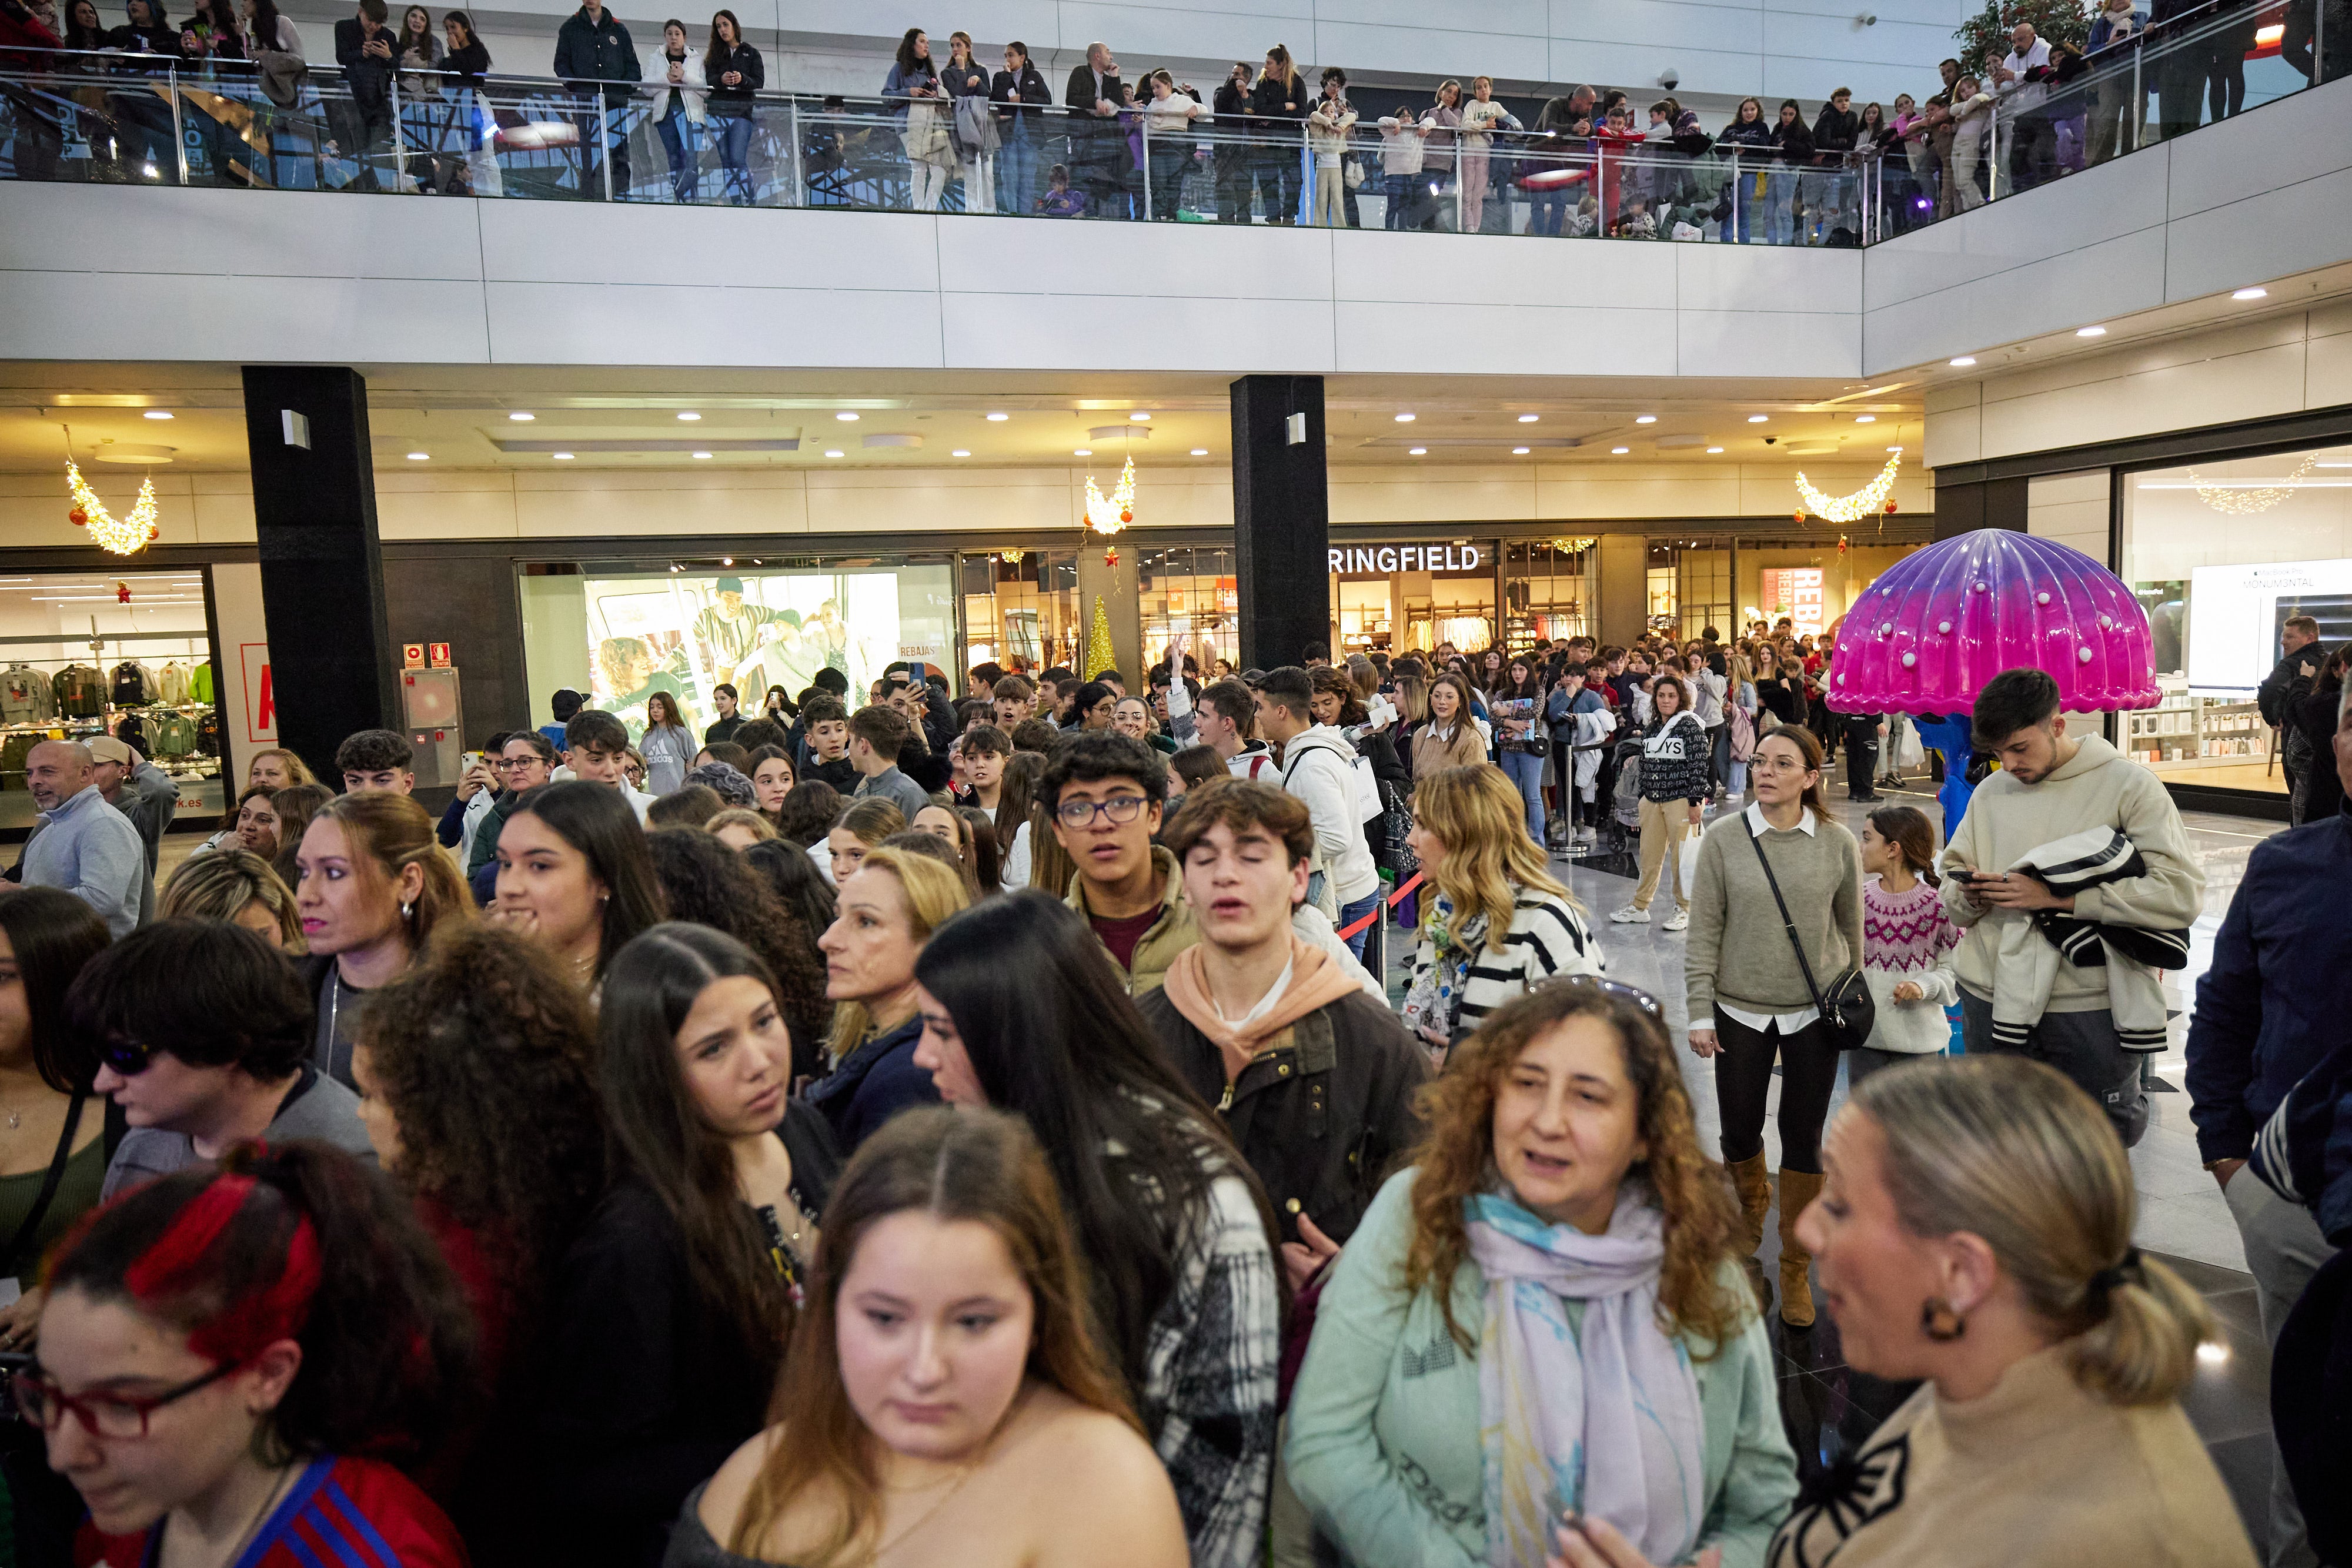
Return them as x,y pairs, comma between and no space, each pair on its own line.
1625,796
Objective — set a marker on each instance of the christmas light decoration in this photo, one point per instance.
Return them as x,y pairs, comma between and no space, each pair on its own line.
1100,656
2236,503
126,536
1855,507
1574,547
1011,556
1107,514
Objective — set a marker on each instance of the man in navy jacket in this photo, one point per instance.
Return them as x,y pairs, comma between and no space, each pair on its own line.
2268,1010
592,46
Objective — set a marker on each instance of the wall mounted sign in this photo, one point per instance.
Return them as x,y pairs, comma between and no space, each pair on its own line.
1404,558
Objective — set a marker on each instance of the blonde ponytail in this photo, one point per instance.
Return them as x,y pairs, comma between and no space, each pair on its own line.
2011,1151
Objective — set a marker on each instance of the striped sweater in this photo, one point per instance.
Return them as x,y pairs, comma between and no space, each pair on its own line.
1547,937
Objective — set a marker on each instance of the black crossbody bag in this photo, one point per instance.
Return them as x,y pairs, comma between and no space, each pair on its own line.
1848,1010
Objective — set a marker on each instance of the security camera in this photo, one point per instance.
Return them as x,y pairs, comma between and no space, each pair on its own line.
1868,18
1771,439
1670,78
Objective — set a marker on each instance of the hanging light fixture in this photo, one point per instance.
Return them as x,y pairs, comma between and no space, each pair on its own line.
2237,503
1107,514
1870,497
124,535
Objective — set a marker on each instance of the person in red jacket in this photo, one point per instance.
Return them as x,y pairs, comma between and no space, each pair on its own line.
234,1353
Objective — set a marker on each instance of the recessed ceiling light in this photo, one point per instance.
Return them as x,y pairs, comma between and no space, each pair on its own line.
689,415
1645,419
1529,418
1522,452
564,457
727,560
1200,452
2241,294
833,452
2090,331
998,418
521,418
1895,449
166,413
701,455
1618,451
1082,451
1404,419
1139,413
1866,419
847,417
1418,452
420,456
960,452
1757,418
1715,451
1964,361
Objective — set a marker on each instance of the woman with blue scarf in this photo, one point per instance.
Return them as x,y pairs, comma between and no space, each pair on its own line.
1541,1325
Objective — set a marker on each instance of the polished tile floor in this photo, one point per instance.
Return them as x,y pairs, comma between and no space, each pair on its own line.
1829,1407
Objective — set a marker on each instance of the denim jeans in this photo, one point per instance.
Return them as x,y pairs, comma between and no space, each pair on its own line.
733,134
1525,770
1016,173
1351,913
1781,206
1544,209
678,139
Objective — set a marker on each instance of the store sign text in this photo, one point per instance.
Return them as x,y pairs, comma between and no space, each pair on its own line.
1405,558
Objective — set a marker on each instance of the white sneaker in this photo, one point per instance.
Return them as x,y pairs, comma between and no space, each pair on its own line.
1629,916
1678,921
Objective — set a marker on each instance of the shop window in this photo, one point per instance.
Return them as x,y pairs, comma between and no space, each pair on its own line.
1415,594
126,654
2223,554
1548,591
1022,606
1191,602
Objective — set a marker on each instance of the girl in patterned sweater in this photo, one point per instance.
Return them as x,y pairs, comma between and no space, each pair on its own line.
1907,942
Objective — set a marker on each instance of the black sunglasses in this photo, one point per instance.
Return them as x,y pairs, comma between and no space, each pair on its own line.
128,1058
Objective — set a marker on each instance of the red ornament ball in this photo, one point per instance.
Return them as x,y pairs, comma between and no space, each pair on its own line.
1799,515
1126,515
78,518
1890,506
153,533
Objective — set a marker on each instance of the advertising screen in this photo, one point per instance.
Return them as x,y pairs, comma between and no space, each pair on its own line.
686,634
2236,614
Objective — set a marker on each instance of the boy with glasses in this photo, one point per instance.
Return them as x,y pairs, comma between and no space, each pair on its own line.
1104,793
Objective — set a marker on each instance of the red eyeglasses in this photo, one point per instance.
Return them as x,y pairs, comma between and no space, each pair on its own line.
42,1404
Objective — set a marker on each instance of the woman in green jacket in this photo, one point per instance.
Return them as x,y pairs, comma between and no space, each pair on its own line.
1543,1318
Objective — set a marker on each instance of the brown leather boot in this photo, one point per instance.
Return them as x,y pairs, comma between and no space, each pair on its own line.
1797,1188
1753,1182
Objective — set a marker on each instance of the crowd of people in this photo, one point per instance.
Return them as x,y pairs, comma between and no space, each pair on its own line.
968,1127
1267,144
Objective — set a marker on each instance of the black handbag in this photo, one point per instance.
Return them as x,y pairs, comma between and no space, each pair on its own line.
1849,1012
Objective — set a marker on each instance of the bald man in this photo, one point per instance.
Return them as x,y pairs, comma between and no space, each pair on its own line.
83,844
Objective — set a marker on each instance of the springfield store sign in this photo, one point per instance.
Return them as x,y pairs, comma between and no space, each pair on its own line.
1405,558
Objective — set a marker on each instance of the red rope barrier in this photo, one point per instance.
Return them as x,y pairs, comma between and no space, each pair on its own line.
1365,923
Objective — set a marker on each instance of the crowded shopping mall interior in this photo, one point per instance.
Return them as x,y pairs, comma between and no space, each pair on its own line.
680,888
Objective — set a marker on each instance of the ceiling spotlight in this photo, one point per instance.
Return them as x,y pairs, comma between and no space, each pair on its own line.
1418,451
1866,419
564,457
1404,419
833,452
700,455
1757,418
420,456
1645,419
1529,418
1618,451
1715,451
2090,331
689,417
1082,451
1963,362
847,417
521,418
1200,452
1518,452
166,413
960,452
1895,449
998,418
2241,294
2212,1353
727,560
1139,413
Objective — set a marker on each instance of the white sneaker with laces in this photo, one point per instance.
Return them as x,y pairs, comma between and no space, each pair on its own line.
1629,916
1678,921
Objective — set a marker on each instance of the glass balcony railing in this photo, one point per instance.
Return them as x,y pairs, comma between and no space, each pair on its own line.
108,117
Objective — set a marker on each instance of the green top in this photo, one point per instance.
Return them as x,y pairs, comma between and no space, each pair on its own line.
77,1194
1384,1445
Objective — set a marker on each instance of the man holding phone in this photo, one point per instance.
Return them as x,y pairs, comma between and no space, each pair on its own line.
2053,787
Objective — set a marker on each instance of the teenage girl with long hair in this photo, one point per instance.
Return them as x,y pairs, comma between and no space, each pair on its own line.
1907,942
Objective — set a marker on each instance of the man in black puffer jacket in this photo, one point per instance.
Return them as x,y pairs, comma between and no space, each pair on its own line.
1828,185
592,46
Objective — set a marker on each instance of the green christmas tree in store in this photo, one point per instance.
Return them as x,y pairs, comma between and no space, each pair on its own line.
1100,656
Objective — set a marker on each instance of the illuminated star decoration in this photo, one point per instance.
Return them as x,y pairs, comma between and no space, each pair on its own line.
1108,516
127,535
1851,509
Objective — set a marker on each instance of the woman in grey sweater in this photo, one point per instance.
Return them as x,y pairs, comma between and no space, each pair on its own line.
1748,999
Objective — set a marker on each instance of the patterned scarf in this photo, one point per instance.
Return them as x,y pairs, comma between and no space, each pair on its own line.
1434,1000
1604,1420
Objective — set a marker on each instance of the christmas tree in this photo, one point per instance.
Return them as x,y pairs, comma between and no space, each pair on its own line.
1100,656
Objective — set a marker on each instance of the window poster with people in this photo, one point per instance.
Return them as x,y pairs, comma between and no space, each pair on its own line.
685,635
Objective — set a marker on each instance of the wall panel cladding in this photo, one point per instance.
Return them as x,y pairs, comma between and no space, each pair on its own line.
471,604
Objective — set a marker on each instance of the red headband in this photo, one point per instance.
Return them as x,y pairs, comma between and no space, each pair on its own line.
243,1328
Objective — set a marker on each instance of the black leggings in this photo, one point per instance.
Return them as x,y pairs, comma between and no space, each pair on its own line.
1743,1078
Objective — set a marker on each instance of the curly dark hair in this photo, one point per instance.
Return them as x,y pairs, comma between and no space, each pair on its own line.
485,1053
810,809
796,881
387,1338
708,884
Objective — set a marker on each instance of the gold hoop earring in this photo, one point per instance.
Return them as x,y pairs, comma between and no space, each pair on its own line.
1939,1322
